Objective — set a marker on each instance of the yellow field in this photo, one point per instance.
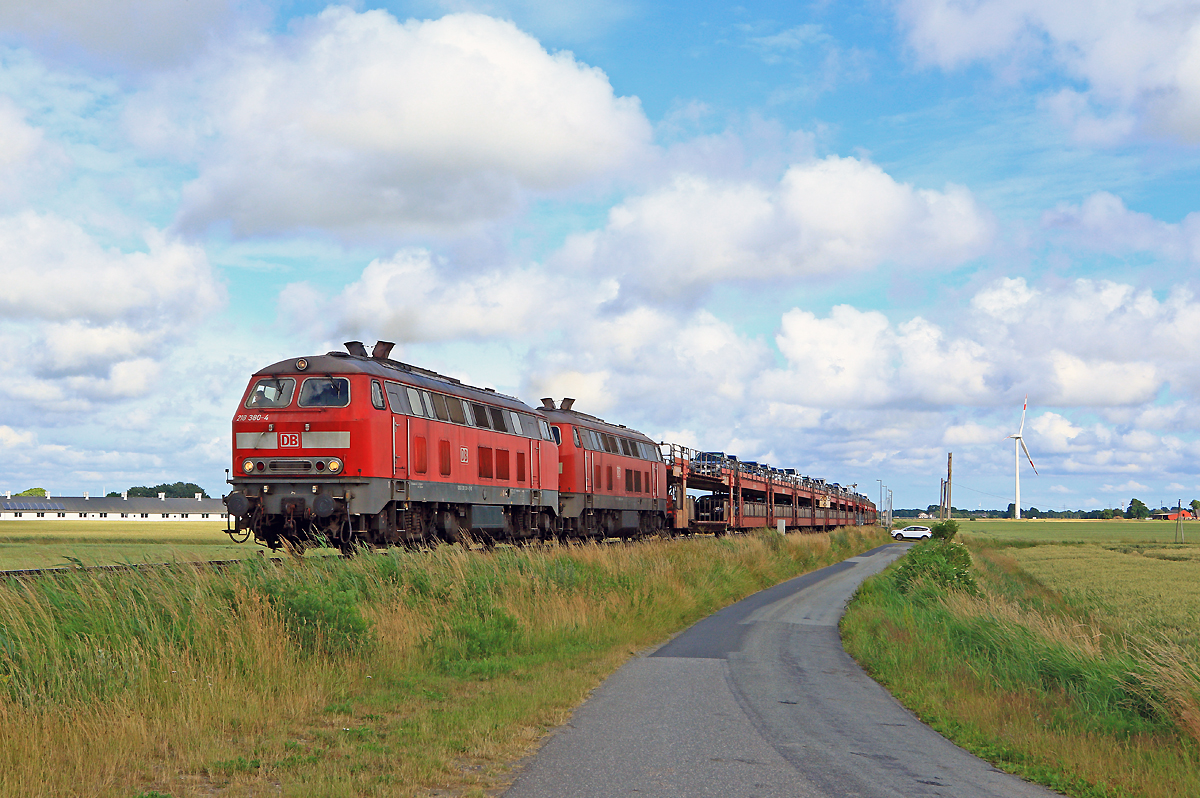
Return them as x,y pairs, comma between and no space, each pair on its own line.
1076,530
1150,590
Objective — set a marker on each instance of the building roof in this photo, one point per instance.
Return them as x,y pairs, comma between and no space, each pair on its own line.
113,504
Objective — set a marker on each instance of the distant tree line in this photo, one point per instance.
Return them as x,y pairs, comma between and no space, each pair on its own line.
174,490
1136,509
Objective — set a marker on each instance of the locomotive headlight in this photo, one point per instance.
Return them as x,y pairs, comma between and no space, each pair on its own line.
248,466
335,466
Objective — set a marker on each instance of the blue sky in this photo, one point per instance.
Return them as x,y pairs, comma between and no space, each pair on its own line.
842,237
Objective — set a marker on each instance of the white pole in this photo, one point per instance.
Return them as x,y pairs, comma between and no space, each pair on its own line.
1017,457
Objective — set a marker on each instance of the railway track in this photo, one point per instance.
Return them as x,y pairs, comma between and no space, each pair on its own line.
31,573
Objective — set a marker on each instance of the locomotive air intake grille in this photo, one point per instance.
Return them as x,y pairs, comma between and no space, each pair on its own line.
292,466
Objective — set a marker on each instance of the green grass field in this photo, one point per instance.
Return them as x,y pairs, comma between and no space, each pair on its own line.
1074,661
405,673
1076,531
50,544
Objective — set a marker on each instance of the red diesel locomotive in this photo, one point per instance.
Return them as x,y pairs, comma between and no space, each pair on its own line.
359,449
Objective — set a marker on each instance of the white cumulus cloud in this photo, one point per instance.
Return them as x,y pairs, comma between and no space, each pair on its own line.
822,217
1137,58
130,33
357,121
1103,222
79,320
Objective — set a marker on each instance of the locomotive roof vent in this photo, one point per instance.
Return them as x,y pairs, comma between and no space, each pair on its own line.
547,403
356,348
567,404
382,349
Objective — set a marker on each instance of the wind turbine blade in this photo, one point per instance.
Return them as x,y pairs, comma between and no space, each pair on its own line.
1027,457
1024,407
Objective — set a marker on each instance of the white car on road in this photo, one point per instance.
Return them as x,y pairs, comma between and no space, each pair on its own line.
918,532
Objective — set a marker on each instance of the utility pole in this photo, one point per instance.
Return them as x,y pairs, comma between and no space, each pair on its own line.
879,508
1179,522
949,481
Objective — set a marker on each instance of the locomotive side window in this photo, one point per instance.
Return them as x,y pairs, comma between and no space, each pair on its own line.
439,407
414,402
395,395
325,392
498,419
545,430
271,392
428,404
557,433
625,447
455,405
480,415
516,422
377,395
529,426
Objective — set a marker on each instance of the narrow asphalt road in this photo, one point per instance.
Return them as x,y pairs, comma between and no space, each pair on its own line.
759,700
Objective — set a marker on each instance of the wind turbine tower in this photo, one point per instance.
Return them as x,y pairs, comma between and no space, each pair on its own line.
1018,446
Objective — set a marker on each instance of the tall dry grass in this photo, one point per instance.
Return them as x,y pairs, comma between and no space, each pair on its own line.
386,674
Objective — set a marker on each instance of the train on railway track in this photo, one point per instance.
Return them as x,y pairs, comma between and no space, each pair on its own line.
356,449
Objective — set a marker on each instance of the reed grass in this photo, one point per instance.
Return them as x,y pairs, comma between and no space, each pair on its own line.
1057,689
387,674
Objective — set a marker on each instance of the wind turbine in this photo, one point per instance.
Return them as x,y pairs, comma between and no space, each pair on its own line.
1018,445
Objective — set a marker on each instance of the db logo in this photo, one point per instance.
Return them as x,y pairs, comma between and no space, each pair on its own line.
462,454
289,440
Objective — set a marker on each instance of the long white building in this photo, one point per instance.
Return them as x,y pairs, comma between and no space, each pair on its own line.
78,508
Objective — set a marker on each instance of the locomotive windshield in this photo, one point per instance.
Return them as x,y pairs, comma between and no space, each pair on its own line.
271,392
325,392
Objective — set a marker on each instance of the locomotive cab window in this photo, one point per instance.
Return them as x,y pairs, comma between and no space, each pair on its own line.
377,395
271,392
575,432
325,392
557,435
